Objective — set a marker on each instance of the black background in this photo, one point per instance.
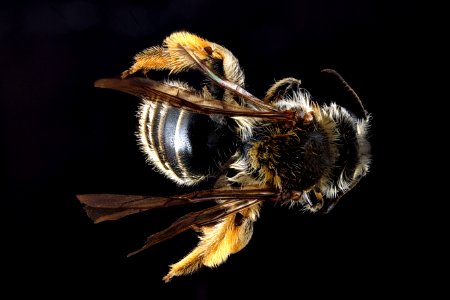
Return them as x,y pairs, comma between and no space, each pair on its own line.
61,137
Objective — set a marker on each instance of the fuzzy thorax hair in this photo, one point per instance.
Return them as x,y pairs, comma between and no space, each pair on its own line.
307,157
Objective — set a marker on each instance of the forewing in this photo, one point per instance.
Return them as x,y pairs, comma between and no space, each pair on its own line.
109,207
151,90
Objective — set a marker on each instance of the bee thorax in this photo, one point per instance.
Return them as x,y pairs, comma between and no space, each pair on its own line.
290,158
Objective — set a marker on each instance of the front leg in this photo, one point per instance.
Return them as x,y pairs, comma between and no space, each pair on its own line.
176,55
282,89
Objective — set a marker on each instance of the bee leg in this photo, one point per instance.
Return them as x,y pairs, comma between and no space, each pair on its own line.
319,198
170,56
223,63
282,89
315,203
212,89
175,56
217,242
215,57
175,46
153,58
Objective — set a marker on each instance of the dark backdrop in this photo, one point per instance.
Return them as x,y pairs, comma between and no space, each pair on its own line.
61,136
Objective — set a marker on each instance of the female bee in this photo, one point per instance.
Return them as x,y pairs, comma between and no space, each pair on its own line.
284,148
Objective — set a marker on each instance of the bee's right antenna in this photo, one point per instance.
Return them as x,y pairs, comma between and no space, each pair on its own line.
348,87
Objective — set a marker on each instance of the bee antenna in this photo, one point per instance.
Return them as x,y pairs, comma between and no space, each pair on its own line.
348,87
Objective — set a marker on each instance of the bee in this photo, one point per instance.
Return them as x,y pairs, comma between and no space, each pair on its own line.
283,148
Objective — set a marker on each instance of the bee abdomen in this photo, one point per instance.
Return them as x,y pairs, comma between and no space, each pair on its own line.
186,147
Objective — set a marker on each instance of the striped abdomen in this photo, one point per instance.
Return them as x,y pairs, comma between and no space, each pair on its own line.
184,146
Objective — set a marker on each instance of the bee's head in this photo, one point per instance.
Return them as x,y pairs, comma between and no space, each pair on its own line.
352,157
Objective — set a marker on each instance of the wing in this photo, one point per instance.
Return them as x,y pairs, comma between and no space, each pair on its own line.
151,90
197,219
110,207
226,227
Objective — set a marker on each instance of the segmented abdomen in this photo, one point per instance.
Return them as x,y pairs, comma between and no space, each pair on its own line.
184,146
